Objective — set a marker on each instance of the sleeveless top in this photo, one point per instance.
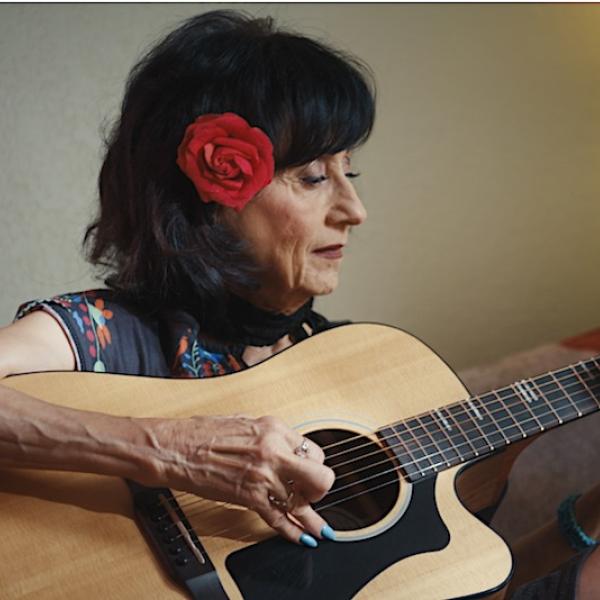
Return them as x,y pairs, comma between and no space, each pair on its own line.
110,336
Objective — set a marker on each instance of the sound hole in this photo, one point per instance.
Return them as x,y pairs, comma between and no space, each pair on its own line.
366,485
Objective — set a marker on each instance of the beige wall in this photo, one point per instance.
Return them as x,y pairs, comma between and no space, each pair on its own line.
481,179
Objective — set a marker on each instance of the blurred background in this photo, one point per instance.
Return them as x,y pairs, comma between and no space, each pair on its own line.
481,179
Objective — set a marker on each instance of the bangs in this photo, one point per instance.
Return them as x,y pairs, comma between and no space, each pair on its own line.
310,99
323,102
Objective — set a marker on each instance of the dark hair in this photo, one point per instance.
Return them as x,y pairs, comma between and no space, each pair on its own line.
159,246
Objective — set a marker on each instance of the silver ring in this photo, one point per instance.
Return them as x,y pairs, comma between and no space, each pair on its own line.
302,449
280,504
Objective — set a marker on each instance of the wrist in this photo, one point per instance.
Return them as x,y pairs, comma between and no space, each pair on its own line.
573,527
104,444
131,449
587,511
162,456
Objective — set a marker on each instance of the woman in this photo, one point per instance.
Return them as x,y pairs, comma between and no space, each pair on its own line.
225,203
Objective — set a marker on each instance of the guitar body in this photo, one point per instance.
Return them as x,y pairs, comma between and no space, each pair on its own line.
70,535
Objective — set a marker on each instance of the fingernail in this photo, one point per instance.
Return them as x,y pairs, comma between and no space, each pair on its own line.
328,533
308,540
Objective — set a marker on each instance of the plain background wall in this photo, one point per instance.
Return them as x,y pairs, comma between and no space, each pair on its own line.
482,177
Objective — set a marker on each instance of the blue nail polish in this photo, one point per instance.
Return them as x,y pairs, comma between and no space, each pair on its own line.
308,540
328,533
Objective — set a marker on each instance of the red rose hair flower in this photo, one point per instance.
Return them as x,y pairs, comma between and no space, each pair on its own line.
227,160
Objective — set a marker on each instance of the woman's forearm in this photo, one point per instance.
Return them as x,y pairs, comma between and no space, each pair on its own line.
241,460
37,434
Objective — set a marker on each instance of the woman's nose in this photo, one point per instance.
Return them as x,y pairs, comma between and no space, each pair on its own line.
348,206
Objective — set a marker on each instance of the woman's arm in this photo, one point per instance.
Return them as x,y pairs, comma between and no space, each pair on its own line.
34,343
546,549
232,459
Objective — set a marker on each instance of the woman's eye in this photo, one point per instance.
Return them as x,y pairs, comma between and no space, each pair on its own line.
314,180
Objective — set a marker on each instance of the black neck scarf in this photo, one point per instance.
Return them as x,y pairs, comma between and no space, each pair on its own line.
237,324
252,326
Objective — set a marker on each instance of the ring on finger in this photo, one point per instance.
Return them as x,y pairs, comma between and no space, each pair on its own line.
302,449
283,505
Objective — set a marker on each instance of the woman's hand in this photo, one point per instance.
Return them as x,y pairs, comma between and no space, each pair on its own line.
246,461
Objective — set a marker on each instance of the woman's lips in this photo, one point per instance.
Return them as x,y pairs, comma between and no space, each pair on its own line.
333,251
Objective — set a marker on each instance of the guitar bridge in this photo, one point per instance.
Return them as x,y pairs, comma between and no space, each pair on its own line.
175,543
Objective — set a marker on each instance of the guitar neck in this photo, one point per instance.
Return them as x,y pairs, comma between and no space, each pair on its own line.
453,434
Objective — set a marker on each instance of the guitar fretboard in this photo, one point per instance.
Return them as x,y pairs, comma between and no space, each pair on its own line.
453,434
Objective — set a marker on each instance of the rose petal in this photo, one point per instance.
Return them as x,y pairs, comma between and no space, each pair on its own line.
208,152
227,171
239,145
232,184
244,165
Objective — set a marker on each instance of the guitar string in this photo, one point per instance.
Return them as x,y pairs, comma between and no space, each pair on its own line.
322,507
460,403
317,505
467,440
336,491
403,466
461,412
431,442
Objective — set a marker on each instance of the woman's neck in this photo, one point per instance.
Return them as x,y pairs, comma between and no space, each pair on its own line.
255,354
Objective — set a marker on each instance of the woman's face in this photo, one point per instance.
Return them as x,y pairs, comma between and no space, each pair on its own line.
297,228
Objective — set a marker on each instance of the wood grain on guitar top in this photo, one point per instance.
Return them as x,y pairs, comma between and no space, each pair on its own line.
70,535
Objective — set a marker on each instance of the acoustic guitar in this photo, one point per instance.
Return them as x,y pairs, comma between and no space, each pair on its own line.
396,425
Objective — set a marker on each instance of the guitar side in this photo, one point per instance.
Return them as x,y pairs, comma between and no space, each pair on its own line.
73,535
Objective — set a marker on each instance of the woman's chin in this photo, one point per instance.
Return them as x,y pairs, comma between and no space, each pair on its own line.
325,286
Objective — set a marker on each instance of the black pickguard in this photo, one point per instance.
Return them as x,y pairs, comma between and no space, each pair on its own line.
277,570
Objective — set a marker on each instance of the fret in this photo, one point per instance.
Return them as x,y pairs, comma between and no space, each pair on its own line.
504,420
445,426
565,393
439,437
402,452
579,393
419,456
449,435
556,397
430,450
590,378
594,364
515,405
543,407
585,374
514,408
465,448
469,426
593,377
477,418
488,424
525,394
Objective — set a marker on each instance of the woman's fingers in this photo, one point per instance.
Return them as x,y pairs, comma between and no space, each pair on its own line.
311,479
310,520
282,524
306,448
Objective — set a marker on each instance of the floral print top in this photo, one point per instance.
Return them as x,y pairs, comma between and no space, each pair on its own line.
110,336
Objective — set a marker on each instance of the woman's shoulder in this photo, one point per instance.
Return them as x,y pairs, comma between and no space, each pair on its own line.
110,333
106,332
